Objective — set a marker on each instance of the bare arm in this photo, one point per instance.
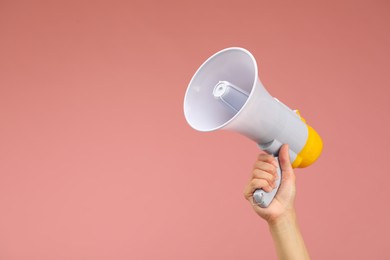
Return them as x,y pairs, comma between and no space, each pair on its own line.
280,215
288,239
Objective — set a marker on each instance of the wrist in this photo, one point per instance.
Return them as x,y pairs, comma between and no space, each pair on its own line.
283,222
288,240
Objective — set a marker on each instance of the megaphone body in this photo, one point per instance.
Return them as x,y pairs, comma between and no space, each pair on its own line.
226,94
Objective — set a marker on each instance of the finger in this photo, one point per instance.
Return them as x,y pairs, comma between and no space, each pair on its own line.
261,184
253,185
256,184
267,167
284,159
270,178
268,158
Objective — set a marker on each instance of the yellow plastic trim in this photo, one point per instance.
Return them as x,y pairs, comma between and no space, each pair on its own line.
311,151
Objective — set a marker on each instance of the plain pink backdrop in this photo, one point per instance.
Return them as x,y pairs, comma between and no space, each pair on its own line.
97,161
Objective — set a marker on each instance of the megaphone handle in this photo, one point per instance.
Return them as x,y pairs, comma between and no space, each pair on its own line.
264,199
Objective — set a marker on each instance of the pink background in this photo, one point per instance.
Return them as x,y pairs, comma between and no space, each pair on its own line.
97,161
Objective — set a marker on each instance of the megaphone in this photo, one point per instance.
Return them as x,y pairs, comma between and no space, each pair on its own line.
225,93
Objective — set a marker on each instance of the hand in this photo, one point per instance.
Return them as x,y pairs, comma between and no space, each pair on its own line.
263,177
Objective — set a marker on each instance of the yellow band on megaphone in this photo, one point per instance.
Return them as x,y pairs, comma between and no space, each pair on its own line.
311,151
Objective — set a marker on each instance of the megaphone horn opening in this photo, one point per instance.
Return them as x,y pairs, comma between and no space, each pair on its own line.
220,89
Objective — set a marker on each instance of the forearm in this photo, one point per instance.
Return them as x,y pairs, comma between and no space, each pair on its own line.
288,239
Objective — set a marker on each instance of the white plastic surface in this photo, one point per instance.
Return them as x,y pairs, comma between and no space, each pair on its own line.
273,148
261,117
231,95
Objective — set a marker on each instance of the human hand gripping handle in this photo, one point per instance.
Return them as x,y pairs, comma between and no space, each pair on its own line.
279,186
280,213
263,198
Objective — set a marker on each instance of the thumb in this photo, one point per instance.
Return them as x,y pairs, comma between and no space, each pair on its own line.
284,160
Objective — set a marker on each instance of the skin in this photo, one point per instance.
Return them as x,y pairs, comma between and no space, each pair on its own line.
280,215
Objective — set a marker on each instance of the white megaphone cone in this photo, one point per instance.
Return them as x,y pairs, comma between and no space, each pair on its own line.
226,93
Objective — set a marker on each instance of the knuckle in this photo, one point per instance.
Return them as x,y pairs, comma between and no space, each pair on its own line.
257,173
